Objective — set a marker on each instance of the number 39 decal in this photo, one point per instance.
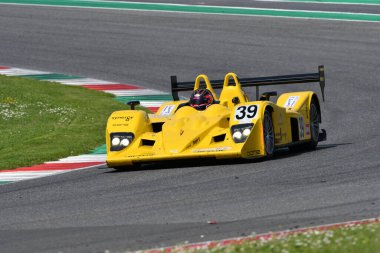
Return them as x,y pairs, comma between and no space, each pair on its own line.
246,113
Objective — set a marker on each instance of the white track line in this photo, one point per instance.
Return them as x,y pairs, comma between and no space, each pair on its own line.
18,71
24,175
317,2
81,158
135,92
81,81
222,7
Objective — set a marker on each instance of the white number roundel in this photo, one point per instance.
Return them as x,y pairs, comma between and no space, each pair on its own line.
245,113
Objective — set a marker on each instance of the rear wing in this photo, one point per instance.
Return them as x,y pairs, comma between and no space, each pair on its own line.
318,77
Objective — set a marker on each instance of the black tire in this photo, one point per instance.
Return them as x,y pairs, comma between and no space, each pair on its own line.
315,120
268,132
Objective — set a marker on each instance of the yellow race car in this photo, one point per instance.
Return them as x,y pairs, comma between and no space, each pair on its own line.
228,125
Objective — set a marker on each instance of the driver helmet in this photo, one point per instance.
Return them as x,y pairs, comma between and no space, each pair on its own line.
201,99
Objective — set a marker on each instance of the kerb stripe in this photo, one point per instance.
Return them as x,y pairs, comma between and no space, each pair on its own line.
151,99
101,87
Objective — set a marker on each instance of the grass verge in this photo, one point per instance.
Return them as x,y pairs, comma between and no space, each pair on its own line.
43,121
347,239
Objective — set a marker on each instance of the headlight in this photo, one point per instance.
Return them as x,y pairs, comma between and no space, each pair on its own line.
115,141
124,142
241,132
237,135
120,141
246,132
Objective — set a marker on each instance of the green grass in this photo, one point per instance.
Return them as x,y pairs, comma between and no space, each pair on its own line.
350,239
43,121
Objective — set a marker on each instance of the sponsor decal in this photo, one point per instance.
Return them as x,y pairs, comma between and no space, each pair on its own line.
181,132
291,101
245,113
126,118
301,126
167,110
211,149
137,156
118,125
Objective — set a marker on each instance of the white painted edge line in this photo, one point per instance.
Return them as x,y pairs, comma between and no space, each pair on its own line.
81,81
252,8
214,6
39,175
135,92
19,71
189,5
24,175
81,158
317,2
200,13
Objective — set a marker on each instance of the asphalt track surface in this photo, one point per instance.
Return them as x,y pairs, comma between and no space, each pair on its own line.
170,203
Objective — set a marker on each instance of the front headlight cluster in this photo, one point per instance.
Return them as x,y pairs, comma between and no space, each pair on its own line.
241,132
120,141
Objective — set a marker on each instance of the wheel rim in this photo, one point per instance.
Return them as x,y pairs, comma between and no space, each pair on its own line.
314,122
268,134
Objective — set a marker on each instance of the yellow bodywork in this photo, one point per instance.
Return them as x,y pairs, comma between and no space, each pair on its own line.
187,133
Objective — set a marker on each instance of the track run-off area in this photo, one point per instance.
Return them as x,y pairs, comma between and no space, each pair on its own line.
165,204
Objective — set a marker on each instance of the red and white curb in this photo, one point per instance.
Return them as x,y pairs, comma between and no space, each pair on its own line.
52,168
118,89
81,161
259,237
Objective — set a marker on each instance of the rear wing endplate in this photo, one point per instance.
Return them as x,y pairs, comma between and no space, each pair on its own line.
318,77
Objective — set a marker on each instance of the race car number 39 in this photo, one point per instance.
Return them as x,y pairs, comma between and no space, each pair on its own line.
245,113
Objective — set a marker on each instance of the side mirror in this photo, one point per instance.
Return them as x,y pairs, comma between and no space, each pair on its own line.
132,104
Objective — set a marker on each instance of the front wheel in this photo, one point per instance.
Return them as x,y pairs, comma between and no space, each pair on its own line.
268,133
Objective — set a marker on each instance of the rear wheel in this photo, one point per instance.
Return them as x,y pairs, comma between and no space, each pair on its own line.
315,119
268,133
